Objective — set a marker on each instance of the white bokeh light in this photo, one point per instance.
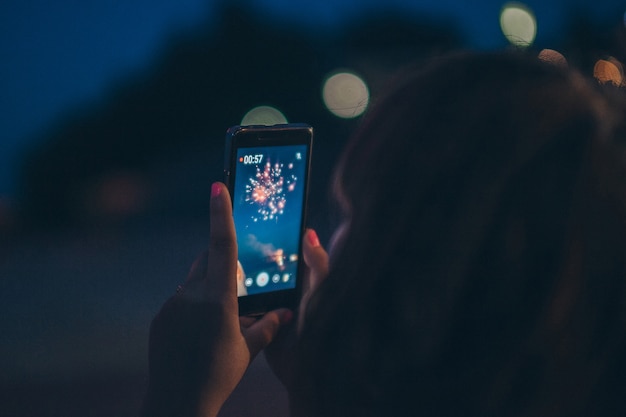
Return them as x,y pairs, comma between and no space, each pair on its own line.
263,115
518,24
345,94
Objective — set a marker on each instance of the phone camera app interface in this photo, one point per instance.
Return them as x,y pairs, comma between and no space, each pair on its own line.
268,197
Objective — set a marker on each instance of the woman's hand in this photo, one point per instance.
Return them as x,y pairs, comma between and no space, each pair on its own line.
199,349
280,353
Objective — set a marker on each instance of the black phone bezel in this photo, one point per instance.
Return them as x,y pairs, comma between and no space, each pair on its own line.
259,136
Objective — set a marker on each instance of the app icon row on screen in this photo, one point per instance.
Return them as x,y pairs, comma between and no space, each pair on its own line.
263,278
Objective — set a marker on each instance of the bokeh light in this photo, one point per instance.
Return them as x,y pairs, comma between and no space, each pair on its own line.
345,94
263,115
553,57
609,71
518,24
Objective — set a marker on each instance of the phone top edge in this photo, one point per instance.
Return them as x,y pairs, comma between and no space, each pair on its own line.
237,130
279,127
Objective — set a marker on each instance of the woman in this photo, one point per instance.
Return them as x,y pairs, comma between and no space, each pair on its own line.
479,270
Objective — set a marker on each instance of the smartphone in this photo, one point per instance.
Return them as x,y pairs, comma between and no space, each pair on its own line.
267,174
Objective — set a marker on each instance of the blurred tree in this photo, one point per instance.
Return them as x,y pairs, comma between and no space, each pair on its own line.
157,140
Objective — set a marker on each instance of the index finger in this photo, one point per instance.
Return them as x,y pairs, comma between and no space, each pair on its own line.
222,259
316,260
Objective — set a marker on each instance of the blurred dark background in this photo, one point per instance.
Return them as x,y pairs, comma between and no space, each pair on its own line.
112,121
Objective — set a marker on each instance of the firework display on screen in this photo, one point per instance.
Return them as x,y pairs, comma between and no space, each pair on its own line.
267,208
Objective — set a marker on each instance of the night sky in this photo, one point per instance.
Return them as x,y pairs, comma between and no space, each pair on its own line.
58,57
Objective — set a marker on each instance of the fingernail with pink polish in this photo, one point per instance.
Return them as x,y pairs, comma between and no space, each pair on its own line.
313,239
215,190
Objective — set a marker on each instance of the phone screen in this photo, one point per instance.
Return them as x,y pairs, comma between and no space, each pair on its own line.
268,206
